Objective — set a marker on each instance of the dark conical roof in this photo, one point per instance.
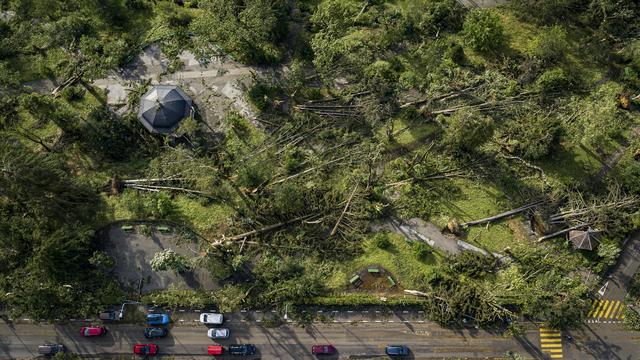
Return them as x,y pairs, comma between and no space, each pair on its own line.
585,240
163,107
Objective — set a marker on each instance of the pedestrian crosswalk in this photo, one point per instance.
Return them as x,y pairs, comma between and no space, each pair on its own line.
551,342
606,309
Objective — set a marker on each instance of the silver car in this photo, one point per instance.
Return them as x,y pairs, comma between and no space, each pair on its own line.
211,318
218,333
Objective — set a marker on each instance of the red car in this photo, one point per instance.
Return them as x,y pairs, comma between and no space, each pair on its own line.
145,349
89,331
323,350
215,350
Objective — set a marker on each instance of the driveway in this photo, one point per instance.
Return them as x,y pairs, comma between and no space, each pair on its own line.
628,264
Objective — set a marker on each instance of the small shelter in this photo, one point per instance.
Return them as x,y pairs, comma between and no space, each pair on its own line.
584,240
163,107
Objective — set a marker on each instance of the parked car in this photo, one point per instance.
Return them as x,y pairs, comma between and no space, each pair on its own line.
396,350
244,349
211,318
215,350
218,333
155,332
323,350
88,331
51,349
157,319
108,315
145,349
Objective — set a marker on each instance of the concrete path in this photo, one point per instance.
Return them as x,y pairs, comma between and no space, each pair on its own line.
416,229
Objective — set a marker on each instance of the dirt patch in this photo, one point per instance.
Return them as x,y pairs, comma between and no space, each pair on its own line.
133,252
374,278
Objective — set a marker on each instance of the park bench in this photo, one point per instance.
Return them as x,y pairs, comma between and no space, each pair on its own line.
393,283
373,271
355,280
163,228
126,228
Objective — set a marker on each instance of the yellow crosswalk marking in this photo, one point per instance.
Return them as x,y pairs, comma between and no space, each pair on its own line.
551,342
556,356
606,305
554,351
594,306
558,344
600,305
612,310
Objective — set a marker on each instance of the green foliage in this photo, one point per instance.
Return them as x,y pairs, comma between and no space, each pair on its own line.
421,250
168,259
381,241
532,135
473,264
466,130
608,251
550,45
102,261
436,16
553,80
483,31
179,298
248,30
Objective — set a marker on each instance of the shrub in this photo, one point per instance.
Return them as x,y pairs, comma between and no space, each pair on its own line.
421,250
483,31
381,241
436,16
553,80
168,259
550,45
465,130
73,93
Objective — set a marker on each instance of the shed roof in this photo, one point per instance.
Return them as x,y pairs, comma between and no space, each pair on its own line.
163,107
584,240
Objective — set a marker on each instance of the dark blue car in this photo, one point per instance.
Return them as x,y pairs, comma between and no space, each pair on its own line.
157,319
396,350
155,332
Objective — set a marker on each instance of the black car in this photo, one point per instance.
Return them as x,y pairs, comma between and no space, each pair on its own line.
51,349
154,332
244,349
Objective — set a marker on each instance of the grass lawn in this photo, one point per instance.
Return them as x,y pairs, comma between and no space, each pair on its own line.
477,201
406,133
571,162
407,270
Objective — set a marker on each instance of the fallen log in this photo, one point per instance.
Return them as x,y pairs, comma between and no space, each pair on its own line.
501,215
346,207
561,232
263,229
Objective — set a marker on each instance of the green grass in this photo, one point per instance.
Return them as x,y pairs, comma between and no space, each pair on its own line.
476,201
570,163
407,133
405,268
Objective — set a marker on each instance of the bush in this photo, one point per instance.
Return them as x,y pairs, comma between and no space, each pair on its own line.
550,45
421,250
483,30
553,80
465,130
381,241
433,17
73,93
168,259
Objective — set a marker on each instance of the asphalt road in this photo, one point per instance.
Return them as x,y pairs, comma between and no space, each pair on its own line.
628,264
361,341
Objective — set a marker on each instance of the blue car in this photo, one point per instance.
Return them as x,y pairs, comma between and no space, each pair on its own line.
396,350
157,319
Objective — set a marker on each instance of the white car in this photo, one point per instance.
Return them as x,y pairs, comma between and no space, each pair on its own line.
211,319
218,333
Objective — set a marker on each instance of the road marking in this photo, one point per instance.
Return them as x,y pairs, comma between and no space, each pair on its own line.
612,310
551,342
606,309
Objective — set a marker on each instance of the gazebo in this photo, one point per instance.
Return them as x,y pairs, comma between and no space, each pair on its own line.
584,240
163,107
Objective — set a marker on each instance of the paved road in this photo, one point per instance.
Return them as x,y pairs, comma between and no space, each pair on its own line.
628,264
363,341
